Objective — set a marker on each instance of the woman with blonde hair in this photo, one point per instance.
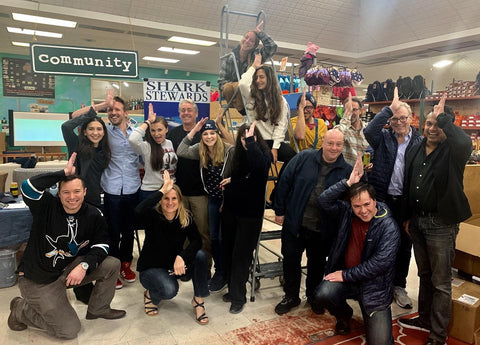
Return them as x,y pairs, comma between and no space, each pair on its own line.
213,154
163,258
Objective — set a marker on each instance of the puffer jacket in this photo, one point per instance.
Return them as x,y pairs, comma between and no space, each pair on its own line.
297,183
385,145
376,271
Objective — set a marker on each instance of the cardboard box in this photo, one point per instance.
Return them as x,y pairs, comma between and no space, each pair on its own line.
467,250
465,311
477,337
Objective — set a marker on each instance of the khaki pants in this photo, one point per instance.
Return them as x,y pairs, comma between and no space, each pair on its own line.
46,306
228,92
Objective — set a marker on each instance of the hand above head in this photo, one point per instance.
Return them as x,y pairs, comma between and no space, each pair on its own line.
349,105
167,183
219,119
258,61
70,168
198,126
151,115
259,27
250,132
357,171
440,107
303,101
109,100
396,101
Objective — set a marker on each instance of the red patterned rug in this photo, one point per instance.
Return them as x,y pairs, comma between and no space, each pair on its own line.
307,328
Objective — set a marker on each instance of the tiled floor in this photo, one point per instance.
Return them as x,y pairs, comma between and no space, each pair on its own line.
175,323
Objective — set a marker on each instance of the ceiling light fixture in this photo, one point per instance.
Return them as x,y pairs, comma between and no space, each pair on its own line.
158,59
115,86
442,63
44,20
191,41
125,84
178,51
34,32
21,44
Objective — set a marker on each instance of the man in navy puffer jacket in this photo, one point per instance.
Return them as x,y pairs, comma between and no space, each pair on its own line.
392,147
360,264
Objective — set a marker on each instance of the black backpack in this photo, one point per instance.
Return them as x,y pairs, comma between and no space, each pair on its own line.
377,92
419,89
404,87
388,88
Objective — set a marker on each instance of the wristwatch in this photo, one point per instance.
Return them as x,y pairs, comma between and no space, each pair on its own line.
84,265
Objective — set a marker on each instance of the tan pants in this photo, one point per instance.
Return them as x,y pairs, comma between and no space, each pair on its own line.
228,92
46,306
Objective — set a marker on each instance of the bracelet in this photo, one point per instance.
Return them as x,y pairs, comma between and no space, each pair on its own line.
147,122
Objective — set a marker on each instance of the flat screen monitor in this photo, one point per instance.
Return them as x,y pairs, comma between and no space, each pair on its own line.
36,129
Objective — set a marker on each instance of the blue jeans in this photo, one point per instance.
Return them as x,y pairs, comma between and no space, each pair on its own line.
214,221
121,224
434,249
162,286
334,295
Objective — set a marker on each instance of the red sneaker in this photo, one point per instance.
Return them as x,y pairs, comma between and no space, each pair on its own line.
127,273
119,284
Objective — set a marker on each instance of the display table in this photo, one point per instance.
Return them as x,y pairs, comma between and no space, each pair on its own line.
15,225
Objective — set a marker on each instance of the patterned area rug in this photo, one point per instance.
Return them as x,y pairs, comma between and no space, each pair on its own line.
307,328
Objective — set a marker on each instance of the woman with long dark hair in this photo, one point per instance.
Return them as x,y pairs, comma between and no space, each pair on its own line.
265,104
213,155
91,145
157,152
243,207
163,258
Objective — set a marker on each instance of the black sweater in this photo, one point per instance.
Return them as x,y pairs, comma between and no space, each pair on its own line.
56,237
245,194
89,168
164,239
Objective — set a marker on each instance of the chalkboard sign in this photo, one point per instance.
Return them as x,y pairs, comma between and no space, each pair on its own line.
20,81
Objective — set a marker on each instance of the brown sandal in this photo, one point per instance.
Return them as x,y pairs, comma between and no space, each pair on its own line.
202,319
150,308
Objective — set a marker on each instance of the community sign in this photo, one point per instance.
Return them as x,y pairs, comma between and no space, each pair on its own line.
95,62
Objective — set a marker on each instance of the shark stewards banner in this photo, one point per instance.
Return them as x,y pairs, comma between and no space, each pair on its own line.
166,94
55,59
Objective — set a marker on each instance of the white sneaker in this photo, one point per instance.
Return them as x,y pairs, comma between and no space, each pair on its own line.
401,297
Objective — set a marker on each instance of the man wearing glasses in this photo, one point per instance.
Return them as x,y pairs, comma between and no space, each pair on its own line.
352,128
391,146
307,130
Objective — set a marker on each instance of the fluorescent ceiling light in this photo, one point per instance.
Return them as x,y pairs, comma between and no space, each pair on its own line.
442,63
178,51
191,41
115,86
125,84
158,59
43,20
34,32
21,44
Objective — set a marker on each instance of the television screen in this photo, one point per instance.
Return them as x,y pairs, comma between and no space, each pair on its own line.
36,129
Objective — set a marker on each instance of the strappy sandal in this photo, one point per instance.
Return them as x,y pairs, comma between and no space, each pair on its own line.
200,319
150,308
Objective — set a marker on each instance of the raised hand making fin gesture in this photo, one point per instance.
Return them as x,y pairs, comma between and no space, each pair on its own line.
440,107
396,101
357,171
70,168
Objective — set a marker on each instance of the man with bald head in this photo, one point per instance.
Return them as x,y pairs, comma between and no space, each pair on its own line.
305,227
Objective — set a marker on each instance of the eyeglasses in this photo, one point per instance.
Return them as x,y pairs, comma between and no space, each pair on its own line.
401,119
308,107
355,109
